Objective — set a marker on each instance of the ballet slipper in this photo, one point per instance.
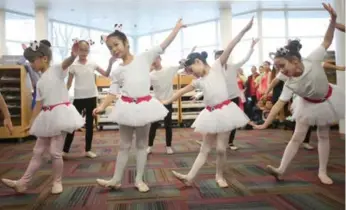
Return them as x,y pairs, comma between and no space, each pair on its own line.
141,186
221,182
325,179
57,188
14,185
182,178
108,184
274,172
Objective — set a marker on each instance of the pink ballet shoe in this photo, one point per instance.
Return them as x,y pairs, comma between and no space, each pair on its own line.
142,187
57,188
108,184
182,178
325,179
274,172
14,185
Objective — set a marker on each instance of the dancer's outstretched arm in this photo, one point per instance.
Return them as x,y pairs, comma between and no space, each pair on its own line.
225,55
179,93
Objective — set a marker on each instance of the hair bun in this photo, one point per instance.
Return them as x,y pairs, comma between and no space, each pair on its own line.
46,42
204,54
294,45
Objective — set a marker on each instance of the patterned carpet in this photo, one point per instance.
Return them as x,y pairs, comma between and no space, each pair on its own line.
251,187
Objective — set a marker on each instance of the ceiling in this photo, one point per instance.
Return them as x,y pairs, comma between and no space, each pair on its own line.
143,16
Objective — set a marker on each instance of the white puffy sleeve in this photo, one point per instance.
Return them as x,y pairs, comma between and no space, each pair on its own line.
286,94
117,82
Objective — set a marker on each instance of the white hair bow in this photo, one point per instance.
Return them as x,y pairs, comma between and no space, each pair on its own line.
283,50
34,45
103,39
91,42
118,27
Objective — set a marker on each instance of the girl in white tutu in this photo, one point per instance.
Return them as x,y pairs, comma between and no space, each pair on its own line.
135,109
317,102
53,115
220,115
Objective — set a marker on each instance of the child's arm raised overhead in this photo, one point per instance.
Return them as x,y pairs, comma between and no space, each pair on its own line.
225,55
173,34
69,61
328,37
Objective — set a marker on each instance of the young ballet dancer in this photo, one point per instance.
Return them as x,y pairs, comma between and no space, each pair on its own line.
135,109
52,117
232,85
317,102
220,115
34,76
6,115
85,92
162,83
276,82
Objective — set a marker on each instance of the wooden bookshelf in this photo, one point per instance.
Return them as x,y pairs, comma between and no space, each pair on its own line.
14,88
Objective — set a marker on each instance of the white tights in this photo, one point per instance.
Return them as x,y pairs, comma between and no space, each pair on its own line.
126,136
221,145
297,138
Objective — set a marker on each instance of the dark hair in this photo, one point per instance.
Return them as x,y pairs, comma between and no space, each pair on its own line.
291,50
38,50
195,55
218,52
120,35
267,62
46,42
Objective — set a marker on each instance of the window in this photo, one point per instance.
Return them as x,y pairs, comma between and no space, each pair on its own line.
273,24
307,23
239,53
57,54
270,45
19,27
64,33
204,34
143,43
158,38
99,52
131,43
14,48
239,22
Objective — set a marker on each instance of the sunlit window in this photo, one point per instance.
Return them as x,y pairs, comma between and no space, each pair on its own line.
99,53
273,24
14,48
239,22
204,34
143,43
307,23
270,45
19,27
158,38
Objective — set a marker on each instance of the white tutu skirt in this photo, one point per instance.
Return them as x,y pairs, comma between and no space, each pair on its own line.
60,119
227,118
138,114
325,113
